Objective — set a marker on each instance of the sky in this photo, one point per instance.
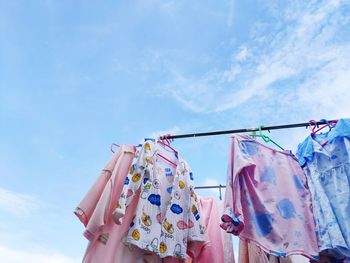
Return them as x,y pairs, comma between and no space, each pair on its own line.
77,76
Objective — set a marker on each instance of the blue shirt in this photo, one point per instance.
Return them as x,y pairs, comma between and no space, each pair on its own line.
328,172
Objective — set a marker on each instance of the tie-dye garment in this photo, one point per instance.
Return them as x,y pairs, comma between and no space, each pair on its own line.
167,215
328,171
267,200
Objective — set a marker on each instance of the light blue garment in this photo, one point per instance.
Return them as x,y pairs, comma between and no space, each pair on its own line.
328,172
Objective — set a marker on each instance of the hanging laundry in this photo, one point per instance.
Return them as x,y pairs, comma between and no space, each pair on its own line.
92,211
219,248
249,253
267,200
167,215
326,162
331,256
95,212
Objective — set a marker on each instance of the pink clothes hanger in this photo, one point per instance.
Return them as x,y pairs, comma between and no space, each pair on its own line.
331,125
314,123
328,124
175,164
167,142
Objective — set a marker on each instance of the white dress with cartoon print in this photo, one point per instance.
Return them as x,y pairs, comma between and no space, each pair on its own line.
167,213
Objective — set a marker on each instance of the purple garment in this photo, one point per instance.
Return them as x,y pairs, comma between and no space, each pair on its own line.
267,200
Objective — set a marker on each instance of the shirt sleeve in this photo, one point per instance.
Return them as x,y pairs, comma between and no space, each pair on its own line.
197,230
138,168
87,206
240,164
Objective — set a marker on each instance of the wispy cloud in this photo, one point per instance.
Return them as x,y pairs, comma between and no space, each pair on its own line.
242,54
11,255
306,52
18,204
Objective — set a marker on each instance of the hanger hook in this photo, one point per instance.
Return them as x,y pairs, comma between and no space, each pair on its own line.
314,123
112,150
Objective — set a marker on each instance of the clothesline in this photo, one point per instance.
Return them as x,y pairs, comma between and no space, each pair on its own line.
210,187
266,128
242,130
263,128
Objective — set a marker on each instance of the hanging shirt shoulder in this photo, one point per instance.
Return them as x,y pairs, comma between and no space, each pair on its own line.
267,200
325,160
167,215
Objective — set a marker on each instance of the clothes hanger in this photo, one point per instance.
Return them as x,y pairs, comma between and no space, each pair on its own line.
328,124
114,144
266,138
164,144
165,141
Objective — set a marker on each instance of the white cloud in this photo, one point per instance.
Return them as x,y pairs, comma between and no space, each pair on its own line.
230,74
18,204
304,48
242,54
11,255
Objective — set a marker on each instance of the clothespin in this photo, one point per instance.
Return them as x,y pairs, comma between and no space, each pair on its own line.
220,192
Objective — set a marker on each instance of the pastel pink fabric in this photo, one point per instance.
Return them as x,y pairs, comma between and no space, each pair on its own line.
86,208
267,200
249,253
219,248
95,211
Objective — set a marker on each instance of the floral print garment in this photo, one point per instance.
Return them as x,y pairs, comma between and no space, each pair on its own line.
267,200
326,162
167,215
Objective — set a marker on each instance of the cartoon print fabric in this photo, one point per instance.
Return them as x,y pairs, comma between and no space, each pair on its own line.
95,211
328,171
167,214
267,200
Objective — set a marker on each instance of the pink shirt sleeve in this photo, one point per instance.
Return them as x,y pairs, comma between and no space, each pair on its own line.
87,206
239,165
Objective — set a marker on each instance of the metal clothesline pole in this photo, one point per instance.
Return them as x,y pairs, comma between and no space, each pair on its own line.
210,187
264,128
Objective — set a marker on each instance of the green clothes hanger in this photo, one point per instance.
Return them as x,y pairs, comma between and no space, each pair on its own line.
266,138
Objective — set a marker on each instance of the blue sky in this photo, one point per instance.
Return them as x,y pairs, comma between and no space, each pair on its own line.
76,76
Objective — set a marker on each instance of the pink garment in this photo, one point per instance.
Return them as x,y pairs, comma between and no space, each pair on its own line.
87,206
95,211
249,253
219,248
267,200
